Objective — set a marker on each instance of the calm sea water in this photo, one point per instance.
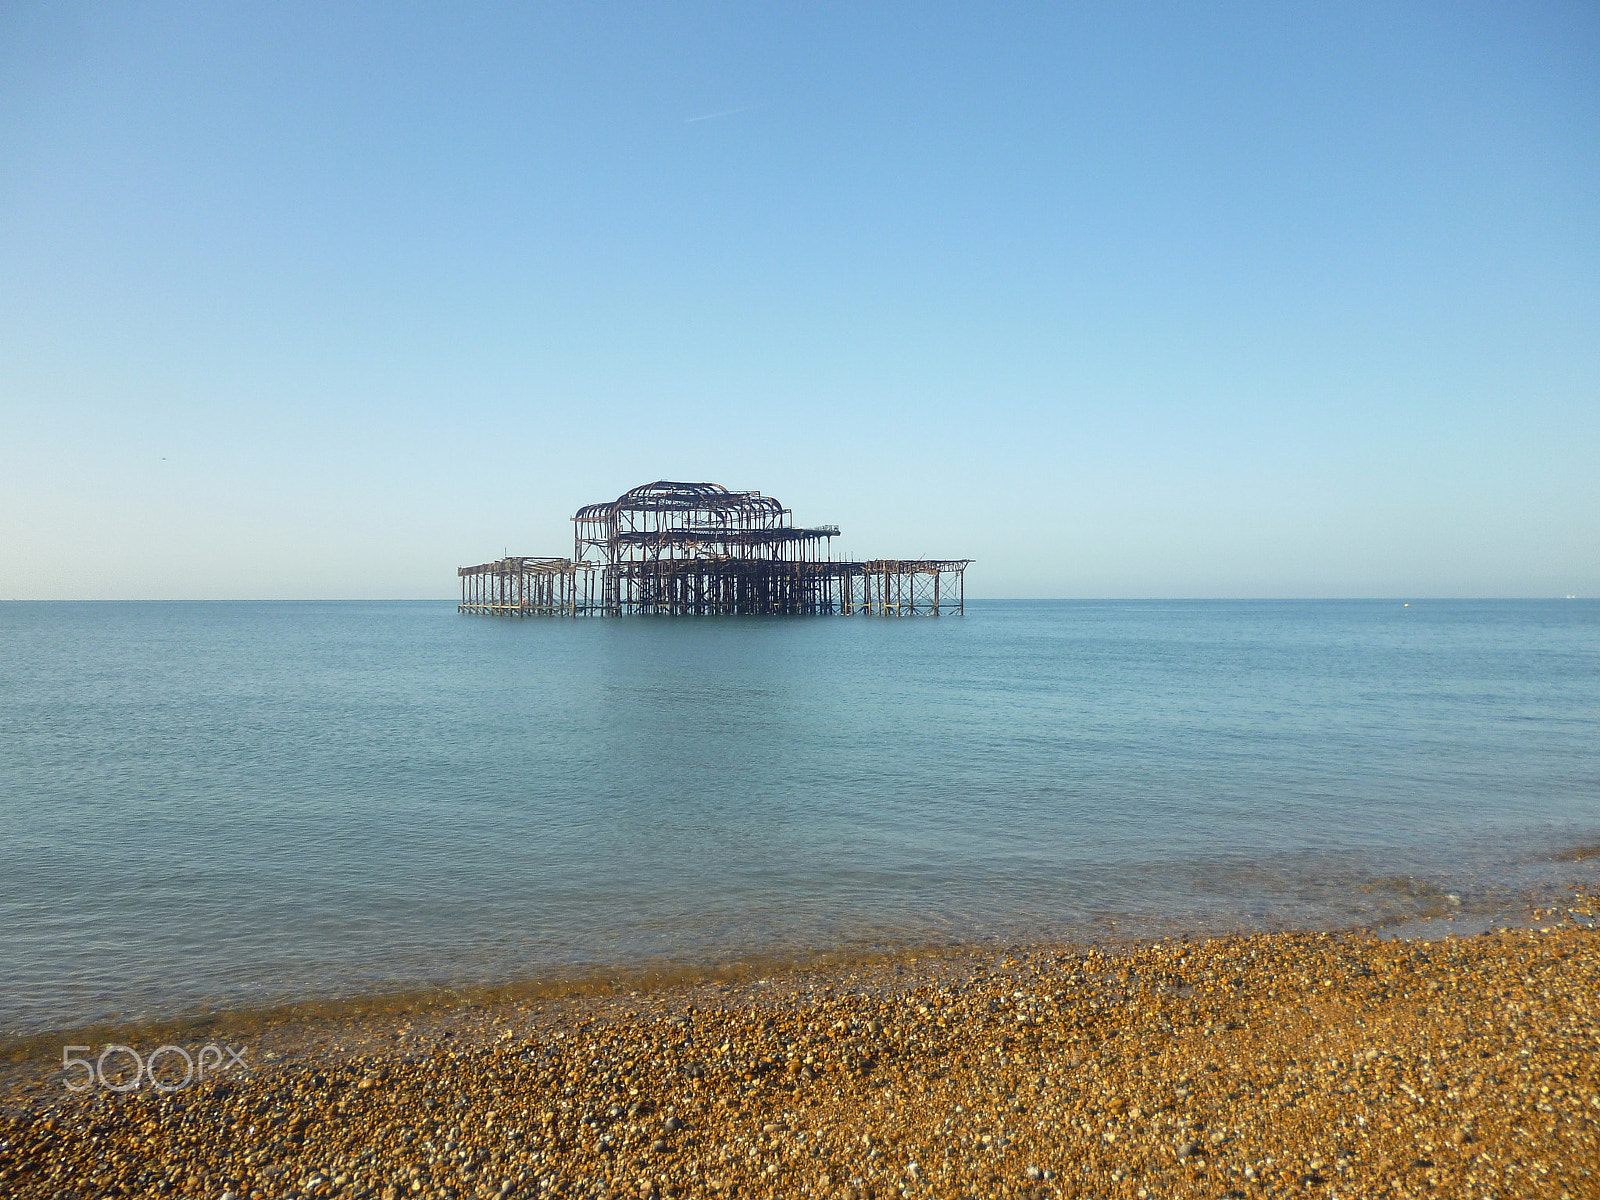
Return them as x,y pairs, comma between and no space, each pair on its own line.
218,803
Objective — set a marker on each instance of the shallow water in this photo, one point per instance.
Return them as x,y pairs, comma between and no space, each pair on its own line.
239,803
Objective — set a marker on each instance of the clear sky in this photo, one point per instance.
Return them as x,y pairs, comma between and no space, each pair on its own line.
324,300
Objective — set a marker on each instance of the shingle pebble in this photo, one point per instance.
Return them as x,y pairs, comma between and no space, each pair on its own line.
1268,1064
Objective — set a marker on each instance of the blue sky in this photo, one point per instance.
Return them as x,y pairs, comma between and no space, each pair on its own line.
1118,300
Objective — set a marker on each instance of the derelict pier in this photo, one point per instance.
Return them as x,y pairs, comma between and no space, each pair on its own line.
699,549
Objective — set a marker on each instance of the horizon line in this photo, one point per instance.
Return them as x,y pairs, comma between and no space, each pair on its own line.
1164,599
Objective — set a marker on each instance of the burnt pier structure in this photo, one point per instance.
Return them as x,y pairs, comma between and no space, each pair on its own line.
698,549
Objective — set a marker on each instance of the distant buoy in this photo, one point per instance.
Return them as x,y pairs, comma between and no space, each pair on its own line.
1408,605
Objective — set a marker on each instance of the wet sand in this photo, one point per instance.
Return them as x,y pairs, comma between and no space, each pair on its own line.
1328,1064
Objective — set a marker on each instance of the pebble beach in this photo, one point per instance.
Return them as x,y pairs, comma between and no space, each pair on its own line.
1325,1064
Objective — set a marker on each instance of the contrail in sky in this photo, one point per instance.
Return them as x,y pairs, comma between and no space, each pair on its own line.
714,116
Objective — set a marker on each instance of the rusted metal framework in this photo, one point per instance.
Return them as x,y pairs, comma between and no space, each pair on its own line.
700,549
904,587
527,587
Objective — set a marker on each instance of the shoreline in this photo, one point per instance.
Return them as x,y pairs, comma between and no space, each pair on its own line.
1177,1066
1436,920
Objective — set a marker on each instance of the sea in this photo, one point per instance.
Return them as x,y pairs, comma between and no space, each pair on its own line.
208,806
